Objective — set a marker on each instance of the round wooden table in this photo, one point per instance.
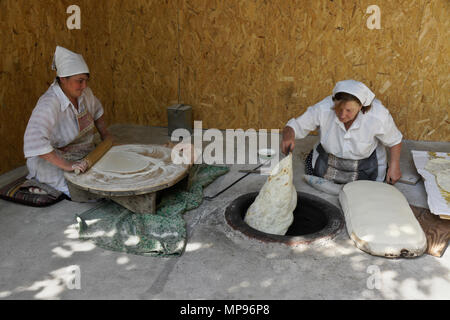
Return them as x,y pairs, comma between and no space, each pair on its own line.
134,189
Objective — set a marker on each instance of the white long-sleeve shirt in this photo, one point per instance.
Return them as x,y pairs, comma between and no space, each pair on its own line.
53,124
373,130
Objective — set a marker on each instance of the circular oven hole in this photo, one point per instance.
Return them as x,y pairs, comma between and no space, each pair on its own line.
314,219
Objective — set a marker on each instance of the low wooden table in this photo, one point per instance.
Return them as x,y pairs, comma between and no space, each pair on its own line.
135,191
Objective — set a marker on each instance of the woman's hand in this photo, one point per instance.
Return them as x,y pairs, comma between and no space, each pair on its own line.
288,142
79,166
394,173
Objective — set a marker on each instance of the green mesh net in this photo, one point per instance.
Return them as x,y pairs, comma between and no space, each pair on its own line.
116,228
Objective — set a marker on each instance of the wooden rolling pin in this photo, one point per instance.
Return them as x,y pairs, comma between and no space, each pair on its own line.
97,153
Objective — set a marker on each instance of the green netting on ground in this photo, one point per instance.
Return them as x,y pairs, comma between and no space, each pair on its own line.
116,228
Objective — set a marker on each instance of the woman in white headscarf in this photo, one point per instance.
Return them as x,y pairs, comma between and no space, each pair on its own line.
355,128
61,128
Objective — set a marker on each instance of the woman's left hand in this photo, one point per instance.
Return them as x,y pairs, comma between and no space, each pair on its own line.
393,174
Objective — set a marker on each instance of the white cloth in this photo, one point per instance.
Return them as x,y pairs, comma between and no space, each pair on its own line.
68,63
356,88
52,125
372,130
437,202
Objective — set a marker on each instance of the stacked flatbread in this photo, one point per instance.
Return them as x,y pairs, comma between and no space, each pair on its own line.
272,210
441,169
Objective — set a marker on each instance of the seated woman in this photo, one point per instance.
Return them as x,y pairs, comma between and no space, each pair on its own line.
354,129
60,131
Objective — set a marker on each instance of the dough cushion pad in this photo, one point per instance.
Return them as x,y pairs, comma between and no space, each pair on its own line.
380,221
272,210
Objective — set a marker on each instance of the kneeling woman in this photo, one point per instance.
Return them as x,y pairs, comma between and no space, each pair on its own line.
60,131
354,129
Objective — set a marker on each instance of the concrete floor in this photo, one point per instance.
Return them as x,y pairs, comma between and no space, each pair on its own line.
42,258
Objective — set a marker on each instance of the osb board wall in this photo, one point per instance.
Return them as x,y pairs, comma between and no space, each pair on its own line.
239,64
255,64
129,46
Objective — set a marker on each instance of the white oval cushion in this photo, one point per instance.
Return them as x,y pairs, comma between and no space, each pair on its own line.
380,221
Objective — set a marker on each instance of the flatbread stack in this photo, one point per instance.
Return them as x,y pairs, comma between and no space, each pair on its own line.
443,179
441,169
272,210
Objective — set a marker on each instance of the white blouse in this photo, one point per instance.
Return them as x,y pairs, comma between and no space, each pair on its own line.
373,130
53,124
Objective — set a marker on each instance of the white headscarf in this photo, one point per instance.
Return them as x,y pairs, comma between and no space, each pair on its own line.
356,88
68,63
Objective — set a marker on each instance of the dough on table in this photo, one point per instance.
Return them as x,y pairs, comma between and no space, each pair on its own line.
443,179
436,165
121,162
380,221
272,210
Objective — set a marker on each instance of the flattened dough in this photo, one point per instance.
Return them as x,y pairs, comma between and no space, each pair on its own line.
380,221
443,179
436,165
121,162
272,210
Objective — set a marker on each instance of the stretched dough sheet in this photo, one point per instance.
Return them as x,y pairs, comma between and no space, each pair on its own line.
438,199
272,210
380,221
122,162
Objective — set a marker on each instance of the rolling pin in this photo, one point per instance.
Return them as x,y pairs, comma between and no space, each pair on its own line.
97,153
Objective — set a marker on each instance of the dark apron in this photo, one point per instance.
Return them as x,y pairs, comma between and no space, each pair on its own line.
342,170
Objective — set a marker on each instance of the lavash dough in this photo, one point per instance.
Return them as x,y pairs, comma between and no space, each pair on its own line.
443,179
272,210
436,165
121,162
380,221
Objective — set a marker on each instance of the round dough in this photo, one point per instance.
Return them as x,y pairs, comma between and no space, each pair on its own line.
443,179
122,162
436,165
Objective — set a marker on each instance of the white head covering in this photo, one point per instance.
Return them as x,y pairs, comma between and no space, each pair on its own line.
68,63
356,88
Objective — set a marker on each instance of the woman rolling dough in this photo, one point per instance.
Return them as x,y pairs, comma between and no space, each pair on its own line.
60,131
354,129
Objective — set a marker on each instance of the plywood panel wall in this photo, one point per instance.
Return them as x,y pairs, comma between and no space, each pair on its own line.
29,32
129,46
238,63
222,52
143,37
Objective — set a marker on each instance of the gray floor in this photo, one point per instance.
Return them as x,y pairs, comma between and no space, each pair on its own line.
41,257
